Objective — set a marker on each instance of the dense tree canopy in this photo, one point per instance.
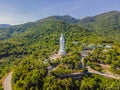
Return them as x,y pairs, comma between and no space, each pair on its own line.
26,49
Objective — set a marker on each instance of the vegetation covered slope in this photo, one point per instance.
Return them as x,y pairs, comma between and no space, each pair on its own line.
4,25
40,40
26,46
9,32
106,24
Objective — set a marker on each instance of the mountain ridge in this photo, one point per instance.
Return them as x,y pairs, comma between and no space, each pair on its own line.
26,48
98,24
4,26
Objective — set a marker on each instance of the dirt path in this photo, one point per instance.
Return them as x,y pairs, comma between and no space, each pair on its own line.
103,74
7,82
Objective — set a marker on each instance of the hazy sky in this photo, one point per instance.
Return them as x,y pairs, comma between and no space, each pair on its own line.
22,11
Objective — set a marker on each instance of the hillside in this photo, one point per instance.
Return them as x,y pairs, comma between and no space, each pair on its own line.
105,24
65,18
13,30
37,40
4,26
24,48
40,33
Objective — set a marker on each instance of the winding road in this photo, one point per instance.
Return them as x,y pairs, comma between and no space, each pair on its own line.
8,85
90,70
7,82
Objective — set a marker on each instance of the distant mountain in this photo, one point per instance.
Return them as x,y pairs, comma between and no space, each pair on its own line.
99,28
33,42
17,29
31,37
103,23
65,18
4,25
14,30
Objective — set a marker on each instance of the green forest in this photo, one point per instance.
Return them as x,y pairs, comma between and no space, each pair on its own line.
26,50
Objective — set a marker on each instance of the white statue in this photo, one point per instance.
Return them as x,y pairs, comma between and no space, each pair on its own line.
62,51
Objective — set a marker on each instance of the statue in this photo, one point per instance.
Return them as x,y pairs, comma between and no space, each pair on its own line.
62,41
